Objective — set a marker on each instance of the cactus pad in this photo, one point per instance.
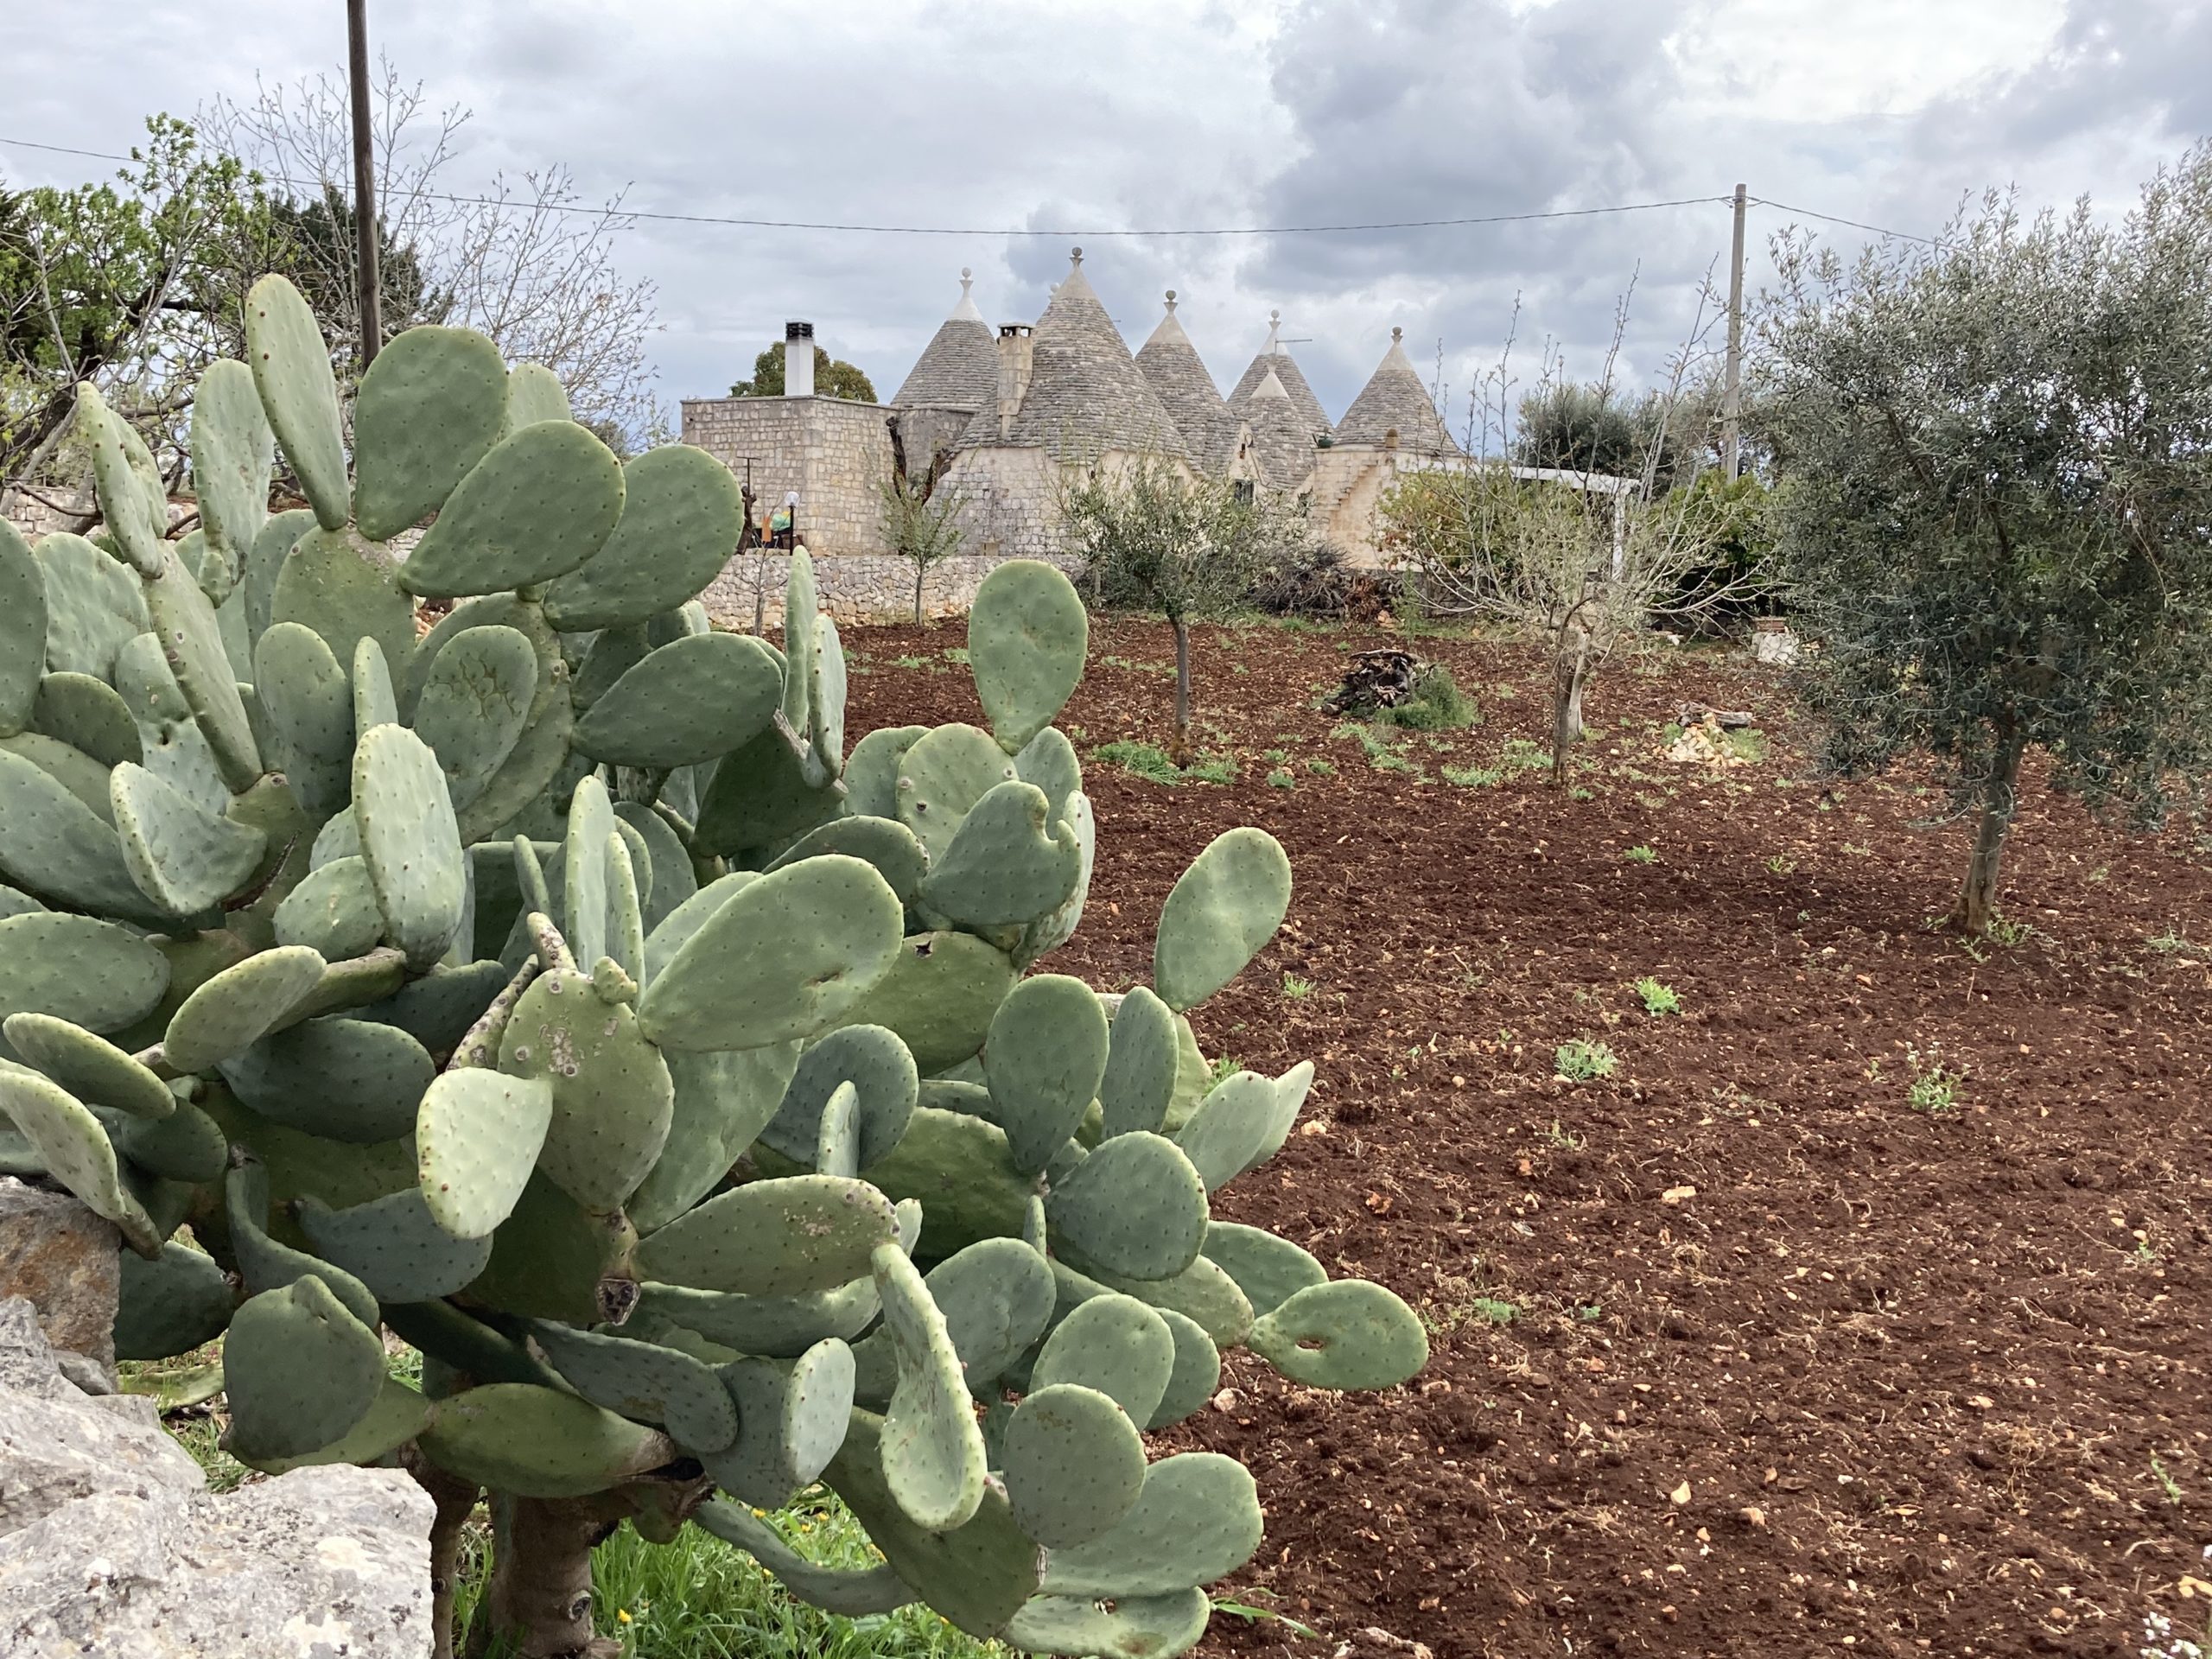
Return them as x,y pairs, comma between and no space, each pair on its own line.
1074,1464
538,1442
474,705
1027,632
409,841
300,1371
73,1147
1268,1269
428,409
182,857
1134,1208
341,1079
1113,1343
92,973
645,1382
882,1073
291,366
22,630
612,1095
1043,1060
477,1135
1198,1520
169,1305
90,1067
682,513
1006,862
792,1419
787,1237
394,1245
542,502
694,699
1221,910
1349,1334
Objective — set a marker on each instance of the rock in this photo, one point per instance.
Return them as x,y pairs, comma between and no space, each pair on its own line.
63,1257
110,1543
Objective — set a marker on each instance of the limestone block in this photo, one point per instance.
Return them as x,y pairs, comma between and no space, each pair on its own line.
63,1258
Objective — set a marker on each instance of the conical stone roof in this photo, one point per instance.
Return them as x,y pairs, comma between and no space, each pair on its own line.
1394,400
1086,394
959,368
1282,446
1274,357
1172,365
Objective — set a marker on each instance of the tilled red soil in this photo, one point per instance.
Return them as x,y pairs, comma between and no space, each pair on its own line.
1744,1350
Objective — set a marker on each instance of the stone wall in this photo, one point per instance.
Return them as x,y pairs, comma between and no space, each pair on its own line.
852,588
835,454
1345,488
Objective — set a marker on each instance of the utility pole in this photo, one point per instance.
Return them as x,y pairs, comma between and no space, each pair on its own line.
1731,407
365,182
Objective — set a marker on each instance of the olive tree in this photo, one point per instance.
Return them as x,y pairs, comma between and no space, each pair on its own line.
1996,501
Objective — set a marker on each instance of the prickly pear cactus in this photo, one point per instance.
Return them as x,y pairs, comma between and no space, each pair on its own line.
552,990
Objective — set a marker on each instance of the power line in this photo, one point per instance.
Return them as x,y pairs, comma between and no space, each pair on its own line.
946,229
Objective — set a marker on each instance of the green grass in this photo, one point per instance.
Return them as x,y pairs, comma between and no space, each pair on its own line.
1934,1090
1150,762
1280,778
1437,705
1581,1060
1641,855
1474,777
1321,768
1295,988
956,654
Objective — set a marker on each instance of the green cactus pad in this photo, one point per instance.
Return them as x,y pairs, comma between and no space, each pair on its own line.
692,700
170,741
128,505
186,1146
538,1442
275,542
1004,863
1348,1334
54,845
22,629
996,1296
300,1371
1202,1292
1131,1627
311,714
538,754
959,1169
1134,1208
1074,1464
73,1147
933,1459
1198,1520
1291,1089
1268,1269
409,841
851,1594
613,1096
791,1420
542,501
375,700
884,842
397,1415
779,1327
800,636
583,869
534,393
870,773
643,1381
350,1080
1140,1065
71,768
232,449
1115,1345
835,925
761,799
346,589
333,910
837,1146
939,994
93,603
474,705
613,653
626,920
90,1067
394,1245
291,368
676,927
978,1576
788,1237
191,645
674,880
185,860
169,1305
828,732
721,1102
1049,762
882,1073
428,409
1221,910
941,776
267,1263
94,974
1045,1055
1196,1374
87,714
438,1009
477,1134
682,514
1027,632
451,1337
1056,927
553,1259
1228,1127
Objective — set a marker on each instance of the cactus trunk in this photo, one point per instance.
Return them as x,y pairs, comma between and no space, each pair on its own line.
539,1600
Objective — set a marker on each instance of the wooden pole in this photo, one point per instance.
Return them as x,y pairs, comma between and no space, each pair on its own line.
1731,408
364,181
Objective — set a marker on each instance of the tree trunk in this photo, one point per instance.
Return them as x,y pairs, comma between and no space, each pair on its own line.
456,1501
1570,671
921,570
1978,899
1182,756
539,1598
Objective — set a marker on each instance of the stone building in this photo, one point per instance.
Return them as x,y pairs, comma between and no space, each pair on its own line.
1001,417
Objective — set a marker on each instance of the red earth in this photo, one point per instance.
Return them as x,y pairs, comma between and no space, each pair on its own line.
1861,1309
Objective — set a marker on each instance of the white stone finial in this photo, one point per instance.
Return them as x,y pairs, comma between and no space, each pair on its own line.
1171,301
967,281
1397,334
1075,256
1273,347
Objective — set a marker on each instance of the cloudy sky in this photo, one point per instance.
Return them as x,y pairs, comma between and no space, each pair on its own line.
1073,115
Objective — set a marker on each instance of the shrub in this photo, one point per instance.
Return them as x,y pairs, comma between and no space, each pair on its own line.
1437,705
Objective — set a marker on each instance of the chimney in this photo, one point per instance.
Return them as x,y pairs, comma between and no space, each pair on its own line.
798,359
1016,342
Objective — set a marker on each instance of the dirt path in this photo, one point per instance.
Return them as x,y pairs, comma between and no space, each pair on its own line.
1750,1348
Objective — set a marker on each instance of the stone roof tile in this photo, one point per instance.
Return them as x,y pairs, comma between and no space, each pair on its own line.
1394,400
1273,356
1177,373
1282,444
959,368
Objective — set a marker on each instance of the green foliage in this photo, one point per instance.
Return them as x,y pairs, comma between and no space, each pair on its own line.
1996,501
1581,1060
833,377
1437,705
1659,1000
629,1106
1640,855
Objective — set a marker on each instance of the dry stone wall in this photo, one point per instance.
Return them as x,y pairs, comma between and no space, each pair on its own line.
852,588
